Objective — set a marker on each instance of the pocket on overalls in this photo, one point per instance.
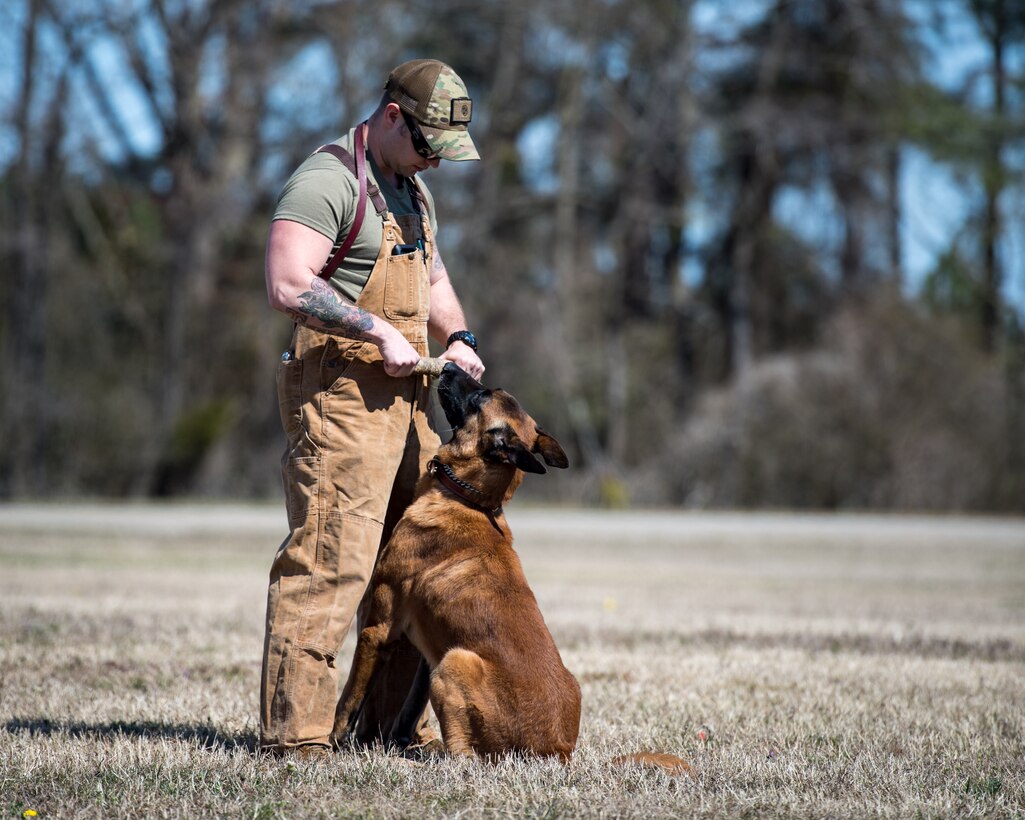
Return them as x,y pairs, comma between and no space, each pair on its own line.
301,477
295,417
406,287
339,357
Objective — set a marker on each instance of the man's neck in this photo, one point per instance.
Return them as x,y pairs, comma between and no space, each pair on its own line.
374,146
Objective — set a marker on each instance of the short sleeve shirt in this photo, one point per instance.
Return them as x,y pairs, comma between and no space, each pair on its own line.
322,195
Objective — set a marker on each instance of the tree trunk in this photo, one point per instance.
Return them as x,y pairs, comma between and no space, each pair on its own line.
25,358
893,219
992,277
562,312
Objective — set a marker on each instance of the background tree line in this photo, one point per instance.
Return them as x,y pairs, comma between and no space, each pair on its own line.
684,250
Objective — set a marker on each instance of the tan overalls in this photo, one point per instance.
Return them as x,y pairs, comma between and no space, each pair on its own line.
358,439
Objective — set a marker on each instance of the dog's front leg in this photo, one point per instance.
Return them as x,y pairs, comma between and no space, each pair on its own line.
371,650
416,701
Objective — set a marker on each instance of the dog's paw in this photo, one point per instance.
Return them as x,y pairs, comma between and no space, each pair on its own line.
422,752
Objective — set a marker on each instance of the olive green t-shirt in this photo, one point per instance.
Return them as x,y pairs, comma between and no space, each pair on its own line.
322,195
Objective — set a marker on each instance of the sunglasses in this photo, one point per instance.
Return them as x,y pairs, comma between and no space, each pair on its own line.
420,144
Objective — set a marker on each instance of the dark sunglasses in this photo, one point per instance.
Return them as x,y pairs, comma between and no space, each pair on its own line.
420,144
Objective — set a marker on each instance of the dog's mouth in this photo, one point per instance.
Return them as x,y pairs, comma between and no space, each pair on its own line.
459,393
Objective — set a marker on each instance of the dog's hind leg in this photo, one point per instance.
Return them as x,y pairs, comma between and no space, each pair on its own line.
463,703
459,673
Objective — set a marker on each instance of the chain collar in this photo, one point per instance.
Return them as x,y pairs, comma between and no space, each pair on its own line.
459,488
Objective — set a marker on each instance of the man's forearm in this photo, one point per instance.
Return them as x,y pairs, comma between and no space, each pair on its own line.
446,318
446,312
322,308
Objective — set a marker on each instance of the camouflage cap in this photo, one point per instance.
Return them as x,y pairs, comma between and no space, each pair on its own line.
434,95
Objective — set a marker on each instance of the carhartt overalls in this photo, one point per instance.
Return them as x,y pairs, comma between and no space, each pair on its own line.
358,439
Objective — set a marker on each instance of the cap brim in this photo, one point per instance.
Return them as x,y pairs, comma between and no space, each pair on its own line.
452,145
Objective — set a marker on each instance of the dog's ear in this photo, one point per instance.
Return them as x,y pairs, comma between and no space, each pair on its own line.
551,451
524,459
512,450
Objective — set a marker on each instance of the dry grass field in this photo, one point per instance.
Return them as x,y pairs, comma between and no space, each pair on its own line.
806,666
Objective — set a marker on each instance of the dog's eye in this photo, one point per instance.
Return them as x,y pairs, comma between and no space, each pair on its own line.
499,436
474,402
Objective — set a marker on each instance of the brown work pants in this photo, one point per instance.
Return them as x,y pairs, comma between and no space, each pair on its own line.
358,440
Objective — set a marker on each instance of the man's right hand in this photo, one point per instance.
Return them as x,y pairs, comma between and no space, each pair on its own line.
400,357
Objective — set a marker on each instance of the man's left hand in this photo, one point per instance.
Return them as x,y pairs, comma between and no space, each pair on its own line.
466,357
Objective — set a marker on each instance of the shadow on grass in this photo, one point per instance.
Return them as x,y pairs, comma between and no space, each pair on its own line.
203,735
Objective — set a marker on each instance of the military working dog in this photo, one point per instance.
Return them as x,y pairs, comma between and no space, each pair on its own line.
449,582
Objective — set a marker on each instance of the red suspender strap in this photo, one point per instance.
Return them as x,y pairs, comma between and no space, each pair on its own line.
417,196
358,170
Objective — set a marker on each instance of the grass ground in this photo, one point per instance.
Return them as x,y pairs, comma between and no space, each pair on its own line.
806,666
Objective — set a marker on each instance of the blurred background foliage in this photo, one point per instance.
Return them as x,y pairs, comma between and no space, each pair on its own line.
686,249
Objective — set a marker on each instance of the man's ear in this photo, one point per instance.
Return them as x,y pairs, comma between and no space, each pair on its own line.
393,113
551,451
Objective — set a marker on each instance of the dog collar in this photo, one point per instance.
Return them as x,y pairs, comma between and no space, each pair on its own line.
459,488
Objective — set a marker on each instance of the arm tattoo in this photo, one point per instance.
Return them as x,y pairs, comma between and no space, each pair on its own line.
333,313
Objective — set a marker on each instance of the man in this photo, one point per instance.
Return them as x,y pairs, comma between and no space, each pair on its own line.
357,422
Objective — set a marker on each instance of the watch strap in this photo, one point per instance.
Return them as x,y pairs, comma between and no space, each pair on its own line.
464,336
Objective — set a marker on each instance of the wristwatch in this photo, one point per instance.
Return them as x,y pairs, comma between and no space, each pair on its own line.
463,336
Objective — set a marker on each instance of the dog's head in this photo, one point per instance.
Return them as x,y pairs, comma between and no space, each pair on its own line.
492,425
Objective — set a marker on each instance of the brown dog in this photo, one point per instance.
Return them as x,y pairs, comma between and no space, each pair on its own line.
450,582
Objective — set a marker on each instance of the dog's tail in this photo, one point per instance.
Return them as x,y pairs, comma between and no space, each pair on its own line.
670,764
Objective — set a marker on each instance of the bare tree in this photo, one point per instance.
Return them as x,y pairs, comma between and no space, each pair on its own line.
31,216
1003,25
